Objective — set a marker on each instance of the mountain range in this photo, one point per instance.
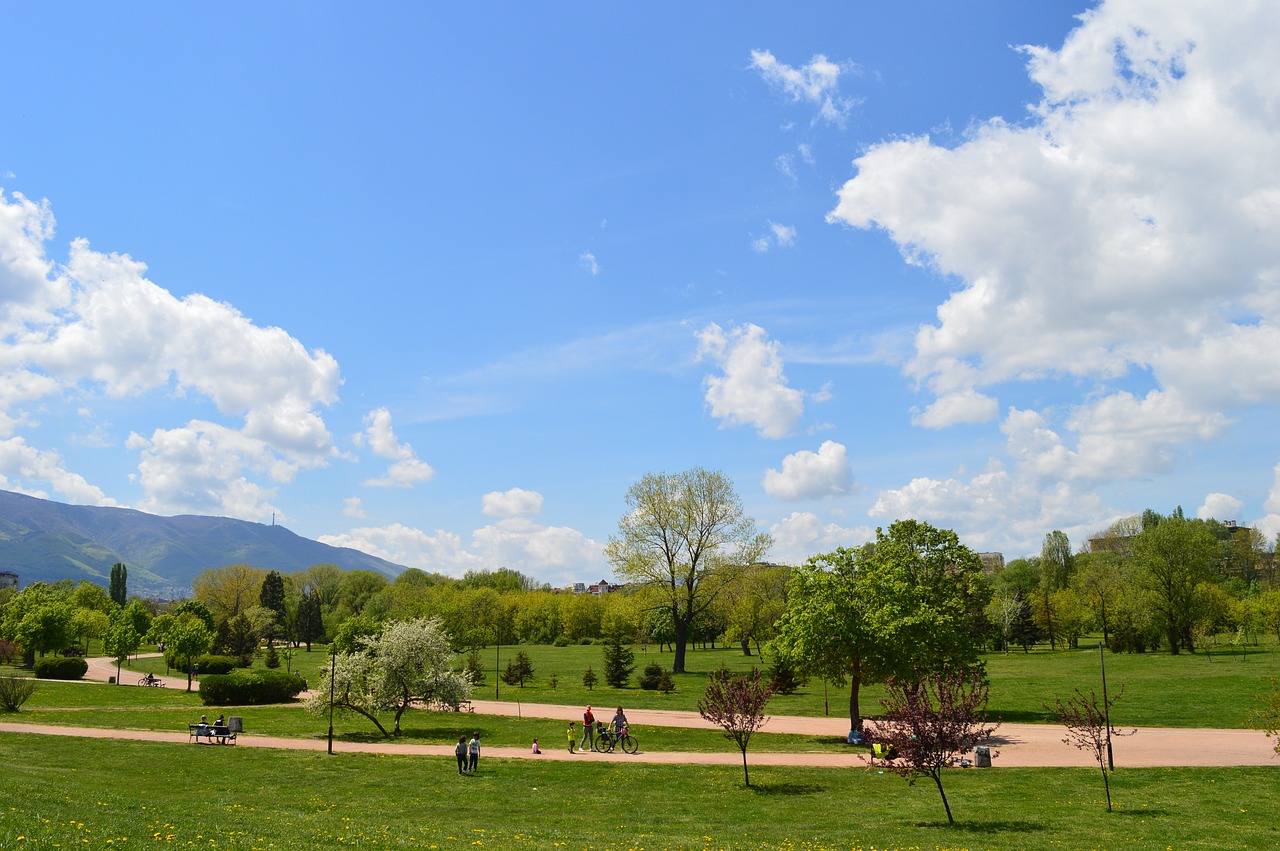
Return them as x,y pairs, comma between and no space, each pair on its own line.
42,540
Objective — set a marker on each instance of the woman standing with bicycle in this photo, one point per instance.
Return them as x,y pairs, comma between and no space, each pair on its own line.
619,722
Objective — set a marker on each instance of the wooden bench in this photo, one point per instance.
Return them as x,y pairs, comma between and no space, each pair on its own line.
213,732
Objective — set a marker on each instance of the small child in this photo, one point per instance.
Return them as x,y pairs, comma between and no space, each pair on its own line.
573,737
535,745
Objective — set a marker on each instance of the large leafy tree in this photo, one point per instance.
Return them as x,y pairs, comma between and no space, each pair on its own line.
408,662
1174,555
228,591
686,535
910,602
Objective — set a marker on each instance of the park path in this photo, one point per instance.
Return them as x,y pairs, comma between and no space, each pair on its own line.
1013,745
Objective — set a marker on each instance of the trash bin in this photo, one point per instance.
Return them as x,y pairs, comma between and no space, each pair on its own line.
982,756
111,680
236,725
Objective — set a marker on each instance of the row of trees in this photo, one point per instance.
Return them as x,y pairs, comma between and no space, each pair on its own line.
1144,583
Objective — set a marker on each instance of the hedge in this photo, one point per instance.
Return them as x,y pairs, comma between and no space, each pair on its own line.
60,668
210,664
251,687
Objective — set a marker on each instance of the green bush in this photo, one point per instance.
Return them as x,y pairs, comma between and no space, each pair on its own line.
60,668
15,691
211,664
651,677
252,687
562,641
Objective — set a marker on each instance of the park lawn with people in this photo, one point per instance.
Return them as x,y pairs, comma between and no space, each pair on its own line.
99,793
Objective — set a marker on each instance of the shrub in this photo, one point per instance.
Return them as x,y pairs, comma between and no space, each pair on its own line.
273,658
651,677
211,664
15,691
9,652
55,668
666,685
784,679
562,641
250,688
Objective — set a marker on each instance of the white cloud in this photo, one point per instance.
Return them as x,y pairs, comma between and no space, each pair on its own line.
1220,506
351,507
1269,523
588,262
406,469
200,469
22,466
752,389
802,534
963,406
784,235
810,475
816,82
96,326
1131,224
554,554
515,502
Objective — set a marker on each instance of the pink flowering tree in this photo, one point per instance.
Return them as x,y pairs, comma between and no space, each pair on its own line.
736,704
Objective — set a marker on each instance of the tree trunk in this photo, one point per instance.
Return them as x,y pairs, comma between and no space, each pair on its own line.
682,640
937,778
745,776
855,685
746,646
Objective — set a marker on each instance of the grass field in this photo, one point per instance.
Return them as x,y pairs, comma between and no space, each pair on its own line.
92,793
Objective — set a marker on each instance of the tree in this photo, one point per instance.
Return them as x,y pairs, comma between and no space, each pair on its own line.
589,678
1267,717
120,641
271,598
687,535
229,590
310,620
931,719
119,583
736,705
619,662
912,601
189,639
519,671
1174,556
407,663
1088,728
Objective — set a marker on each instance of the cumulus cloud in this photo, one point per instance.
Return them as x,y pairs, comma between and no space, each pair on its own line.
752,389
554,554
803,534
1220,506
20,463
817,83
406,469
811,475
1124,236
515,502
95,326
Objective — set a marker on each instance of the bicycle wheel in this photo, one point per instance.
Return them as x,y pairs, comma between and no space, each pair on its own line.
601,745
144,681
629,744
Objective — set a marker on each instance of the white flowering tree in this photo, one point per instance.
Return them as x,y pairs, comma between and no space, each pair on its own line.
406,663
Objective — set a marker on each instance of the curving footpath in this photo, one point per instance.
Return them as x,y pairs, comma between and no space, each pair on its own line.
1013,745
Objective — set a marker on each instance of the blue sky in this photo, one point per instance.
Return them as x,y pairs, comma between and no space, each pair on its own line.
441,282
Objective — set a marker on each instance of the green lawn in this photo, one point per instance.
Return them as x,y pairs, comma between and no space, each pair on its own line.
91,793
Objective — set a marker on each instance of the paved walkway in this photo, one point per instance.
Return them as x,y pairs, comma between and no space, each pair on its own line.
1015,745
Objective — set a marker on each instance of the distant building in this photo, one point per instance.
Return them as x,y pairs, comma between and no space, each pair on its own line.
604,586
579,588
8,579
992,563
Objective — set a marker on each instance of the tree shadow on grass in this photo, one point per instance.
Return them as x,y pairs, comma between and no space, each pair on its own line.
984,826
1145,811
787,789
436,734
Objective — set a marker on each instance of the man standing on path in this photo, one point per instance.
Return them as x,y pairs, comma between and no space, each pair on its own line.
473,752
588,731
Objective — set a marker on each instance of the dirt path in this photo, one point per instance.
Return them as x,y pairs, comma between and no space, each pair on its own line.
1013,745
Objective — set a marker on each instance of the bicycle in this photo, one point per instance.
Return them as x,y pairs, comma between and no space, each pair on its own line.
607,740
151,680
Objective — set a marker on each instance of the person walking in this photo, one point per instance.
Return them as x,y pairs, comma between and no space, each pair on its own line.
536,749
573,737
588,731
473,753
460,751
